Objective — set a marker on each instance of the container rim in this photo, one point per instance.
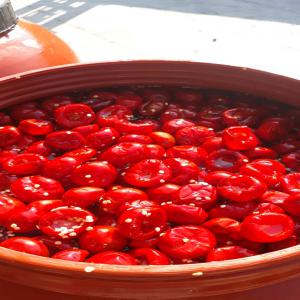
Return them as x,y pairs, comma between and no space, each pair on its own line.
49,265
182,63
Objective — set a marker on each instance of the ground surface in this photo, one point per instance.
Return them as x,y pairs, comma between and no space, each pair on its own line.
253,33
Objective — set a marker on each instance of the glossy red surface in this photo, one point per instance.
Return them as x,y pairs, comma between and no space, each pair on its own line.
29,46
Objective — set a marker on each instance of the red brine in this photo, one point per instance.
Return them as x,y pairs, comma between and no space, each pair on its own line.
149,176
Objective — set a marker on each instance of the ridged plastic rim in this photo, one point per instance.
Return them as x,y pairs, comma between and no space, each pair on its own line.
50,81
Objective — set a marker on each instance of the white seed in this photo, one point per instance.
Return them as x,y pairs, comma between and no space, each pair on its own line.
62,235
68,132
129,220
37,186
89,219
89,115
185,240
223,205
63,230
15,226
57,243
144,212
162,181
72,234
197,274
88,176
161,172
89,269
157,229
185,164
89,228
106,201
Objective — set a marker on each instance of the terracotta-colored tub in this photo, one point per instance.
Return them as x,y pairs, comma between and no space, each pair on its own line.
273,276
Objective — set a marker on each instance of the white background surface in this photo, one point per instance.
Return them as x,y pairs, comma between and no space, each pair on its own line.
261,34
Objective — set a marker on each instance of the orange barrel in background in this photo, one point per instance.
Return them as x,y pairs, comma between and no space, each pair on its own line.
25,46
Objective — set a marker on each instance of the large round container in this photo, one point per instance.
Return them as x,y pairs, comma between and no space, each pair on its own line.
273,275
26,46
